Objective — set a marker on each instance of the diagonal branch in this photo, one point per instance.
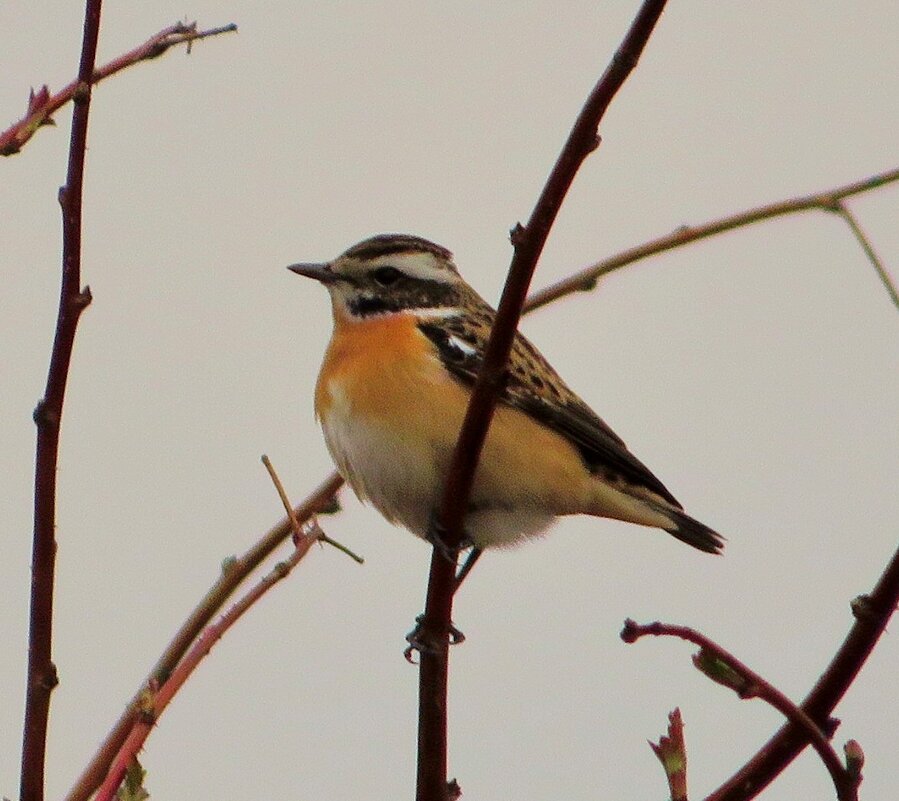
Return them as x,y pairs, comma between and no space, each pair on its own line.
234,572
872,613
73,300
528,243
828,200
42,105
843,210
155,698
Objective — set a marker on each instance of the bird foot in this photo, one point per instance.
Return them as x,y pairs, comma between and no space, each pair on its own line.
425,639
437,536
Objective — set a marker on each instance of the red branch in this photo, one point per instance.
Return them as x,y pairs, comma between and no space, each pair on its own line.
42,105
528,243
723,667
156,700
872,613
73,300
233,574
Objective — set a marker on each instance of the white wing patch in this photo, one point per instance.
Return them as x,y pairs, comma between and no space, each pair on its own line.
466,348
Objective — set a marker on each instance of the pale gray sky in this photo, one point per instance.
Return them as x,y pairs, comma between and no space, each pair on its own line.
756,374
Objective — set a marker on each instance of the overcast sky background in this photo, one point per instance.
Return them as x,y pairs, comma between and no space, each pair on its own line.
757,374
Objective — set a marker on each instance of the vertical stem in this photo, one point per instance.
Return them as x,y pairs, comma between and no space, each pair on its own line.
47,416
528,243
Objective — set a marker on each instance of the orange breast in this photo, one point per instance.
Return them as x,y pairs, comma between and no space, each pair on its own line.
364,355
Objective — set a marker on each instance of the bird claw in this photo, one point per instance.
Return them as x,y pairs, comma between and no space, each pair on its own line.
436,535
425,640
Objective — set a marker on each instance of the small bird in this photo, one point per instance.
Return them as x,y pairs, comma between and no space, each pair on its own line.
409,337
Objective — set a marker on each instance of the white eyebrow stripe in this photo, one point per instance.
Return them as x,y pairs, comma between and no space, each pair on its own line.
424,266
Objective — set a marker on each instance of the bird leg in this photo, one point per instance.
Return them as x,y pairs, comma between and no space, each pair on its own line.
426,640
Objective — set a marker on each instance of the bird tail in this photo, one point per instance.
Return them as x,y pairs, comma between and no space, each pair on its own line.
690,531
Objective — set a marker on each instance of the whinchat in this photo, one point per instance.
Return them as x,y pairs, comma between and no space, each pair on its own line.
409,337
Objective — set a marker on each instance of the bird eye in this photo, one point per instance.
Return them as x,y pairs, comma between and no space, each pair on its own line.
386,276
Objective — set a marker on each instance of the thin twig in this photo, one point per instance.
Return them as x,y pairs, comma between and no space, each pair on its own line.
528,243
295,523
843,210
233,574
155,702
42,105
749,684
872,613
584,280
42,677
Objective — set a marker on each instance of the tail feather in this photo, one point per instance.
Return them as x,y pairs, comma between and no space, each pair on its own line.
692,532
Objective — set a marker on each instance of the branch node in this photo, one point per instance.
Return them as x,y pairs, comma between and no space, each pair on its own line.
632,631
44,416
719,671
517,235
82,93
145,710
855,761
863,609
83,299
50,679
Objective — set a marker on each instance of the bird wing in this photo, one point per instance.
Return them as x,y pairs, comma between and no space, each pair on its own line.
537,390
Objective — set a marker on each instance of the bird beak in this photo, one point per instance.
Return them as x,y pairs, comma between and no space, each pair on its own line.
320,272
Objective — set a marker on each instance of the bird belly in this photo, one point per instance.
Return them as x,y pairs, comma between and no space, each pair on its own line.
397,476
391,414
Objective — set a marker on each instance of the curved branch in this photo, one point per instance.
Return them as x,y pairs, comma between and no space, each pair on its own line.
42,105
872,613
828,200
724,668
528,243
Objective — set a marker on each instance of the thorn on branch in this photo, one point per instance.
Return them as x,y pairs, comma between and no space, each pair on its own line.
83,299
517,235
50,679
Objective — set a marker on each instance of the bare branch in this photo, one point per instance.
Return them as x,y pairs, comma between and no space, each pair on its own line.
528,243
829,200
872,613
155,699
234,571
73,300
724,668
843,210
42,105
